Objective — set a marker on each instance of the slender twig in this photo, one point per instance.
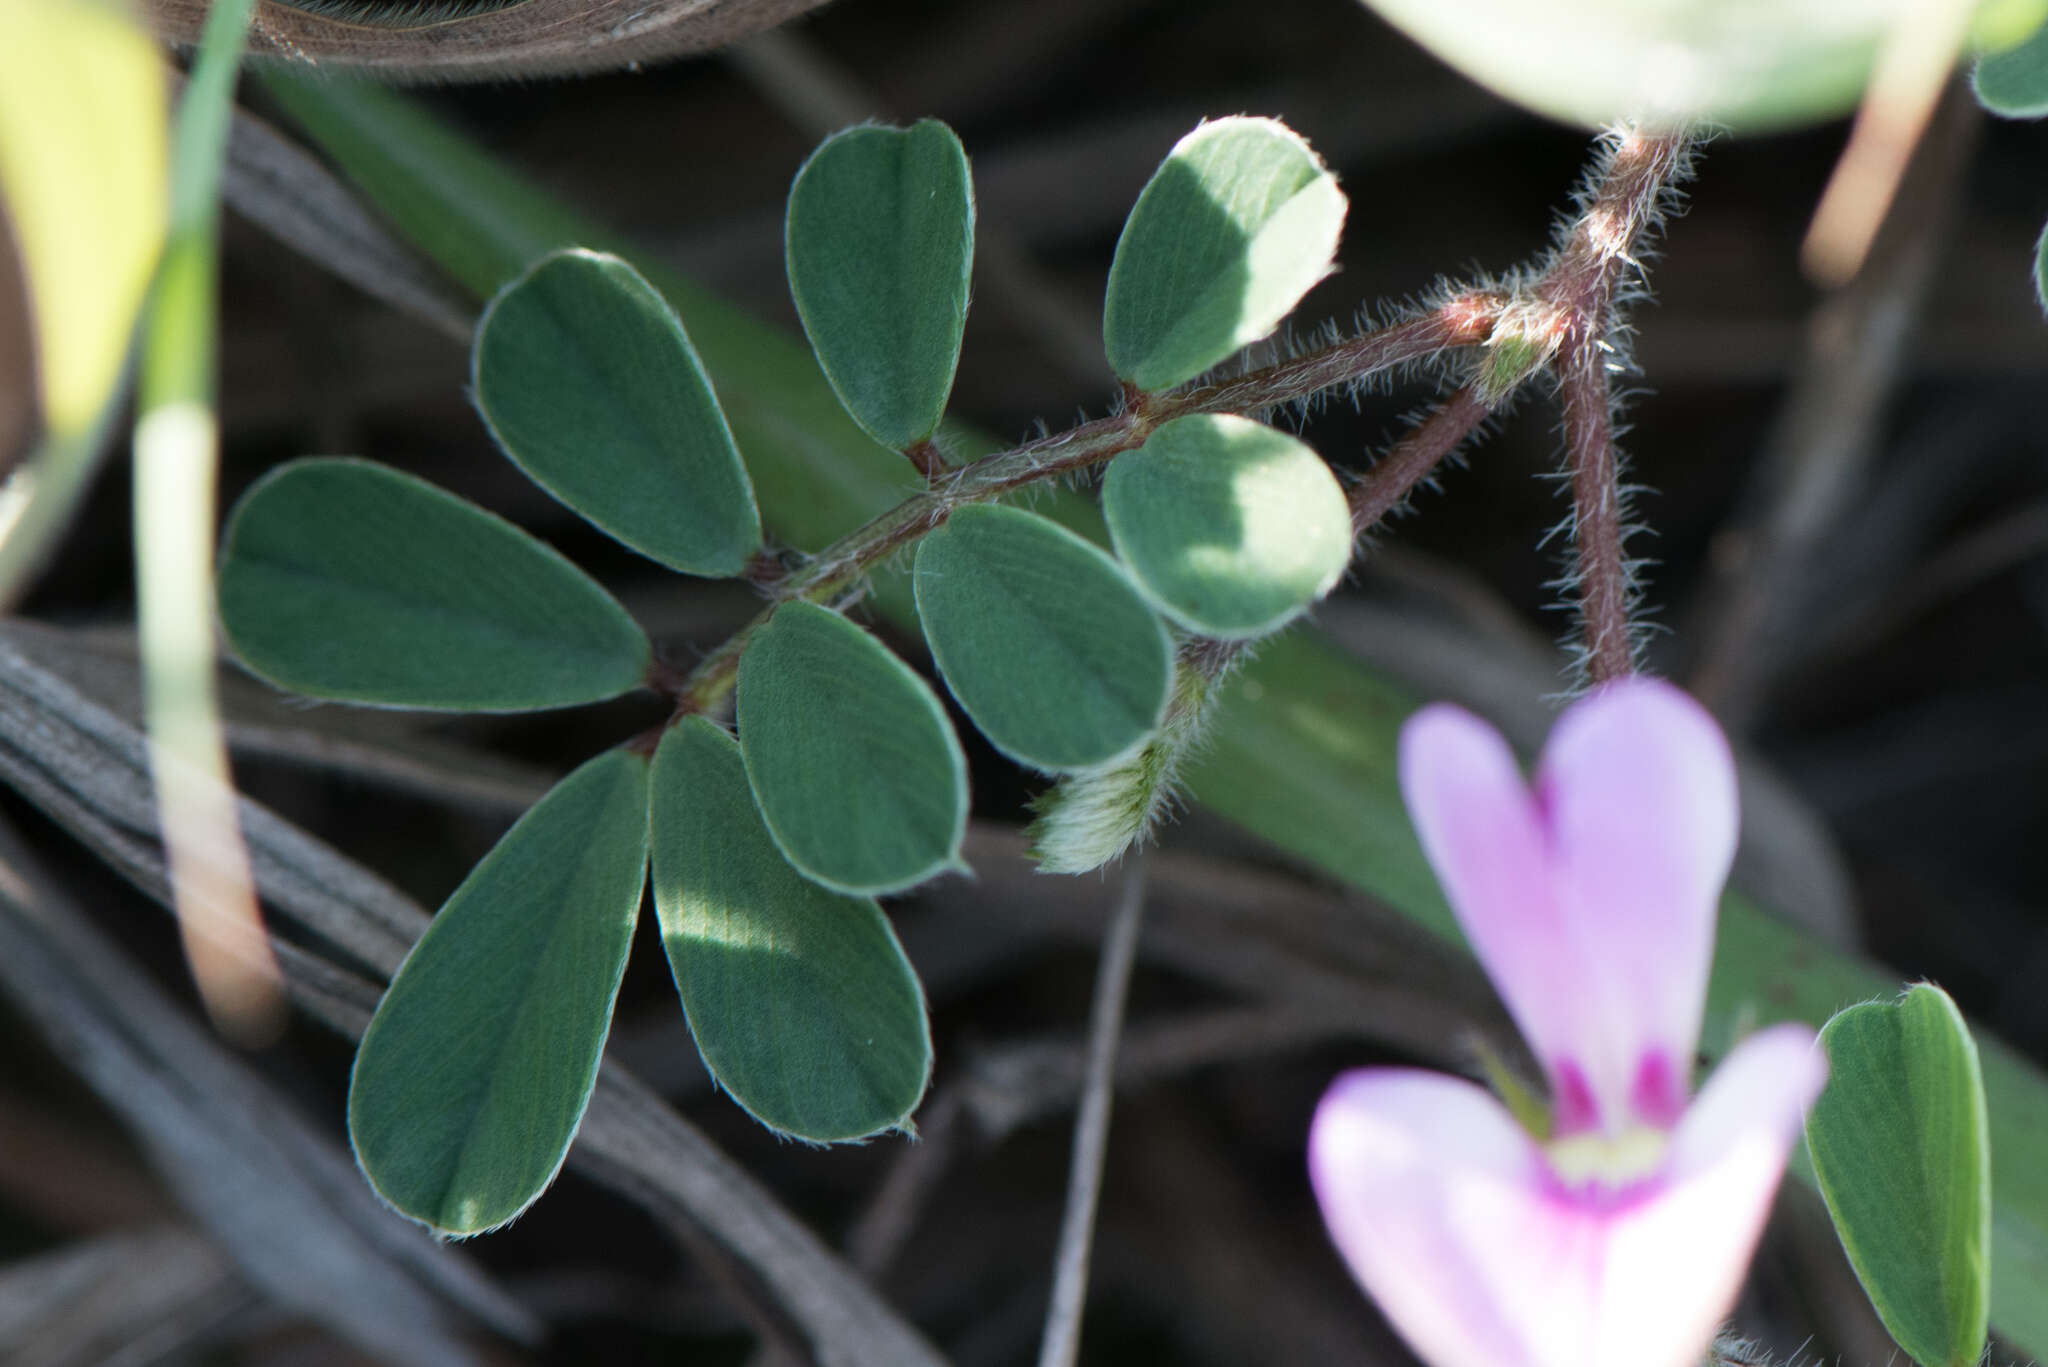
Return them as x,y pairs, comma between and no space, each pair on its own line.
1062,1344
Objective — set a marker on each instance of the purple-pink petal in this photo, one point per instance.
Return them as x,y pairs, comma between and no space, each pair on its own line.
1638,790
1483,833
1754,1106
1450,1218
1589,901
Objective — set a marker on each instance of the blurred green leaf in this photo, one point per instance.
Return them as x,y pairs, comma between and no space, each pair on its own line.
1230,527
473,1075
346,579
1302,749
2015,82
1753,64
1041,637
1899,1143
880,251
1233,228
84,187
801,1001
83,168
852,759
591,386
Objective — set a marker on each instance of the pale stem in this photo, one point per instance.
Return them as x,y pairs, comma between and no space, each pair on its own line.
1062,1343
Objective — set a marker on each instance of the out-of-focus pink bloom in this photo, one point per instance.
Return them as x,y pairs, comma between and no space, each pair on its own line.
1621,1238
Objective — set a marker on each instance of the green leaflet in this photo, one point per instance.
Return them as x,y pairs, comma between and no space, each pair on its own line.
1041,637
800,998
856,768
591,386
1899,1144
1230,527
2015,82
1302,751
346,579
1233,228
2041,269
473,1075
879,245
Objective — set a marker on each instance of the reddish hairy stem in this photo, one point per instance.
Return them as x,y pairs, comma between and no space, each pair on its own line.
1580,287
1411,459
1463,321
1596,516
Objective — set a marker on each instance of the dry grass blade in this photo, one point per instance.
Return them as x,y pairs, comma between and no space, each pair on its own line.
281,1198
393,750
134,1297
276,184
533,38
83,766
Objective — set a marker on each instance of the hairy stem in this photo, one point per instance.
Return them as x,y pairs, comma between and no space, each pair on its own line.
1464,321
1595,262
1414,456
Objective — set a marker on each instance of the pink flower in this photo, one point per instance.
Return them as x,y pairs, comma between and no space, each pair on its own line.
1621,1238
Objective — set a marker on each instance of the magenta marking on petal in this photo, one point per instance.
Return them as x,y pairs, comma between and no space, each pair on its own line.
1572,1107
1600,1197
1659,1093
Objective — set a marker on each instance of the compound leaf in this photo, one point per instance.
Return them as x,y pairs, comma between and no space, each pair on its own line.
591,386
1899,1143
1230,527
346,579
800,998
1233,228
852,759
474,1073
880,248
1041,637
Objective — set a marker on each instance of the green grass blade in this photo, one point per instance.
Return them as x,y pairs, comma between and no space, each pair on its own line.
177,468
